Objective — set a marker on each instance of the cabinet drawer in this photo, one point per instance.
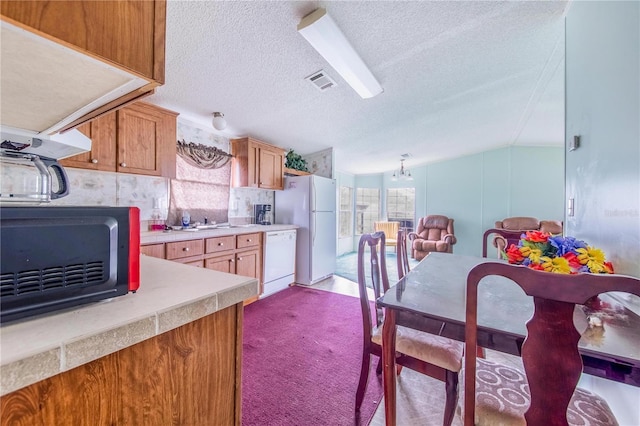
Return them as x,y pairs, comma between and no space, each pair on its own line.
248,240
153,250
188,248
218,244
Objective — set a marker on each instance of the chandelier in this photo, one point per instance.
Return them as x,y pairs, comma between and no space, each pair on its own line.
401,174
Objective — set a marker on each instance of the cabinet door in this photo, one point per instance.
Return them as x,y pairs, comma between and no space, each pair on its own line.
102,132
271,169
224,263
197,263
146,140
153,250
247,263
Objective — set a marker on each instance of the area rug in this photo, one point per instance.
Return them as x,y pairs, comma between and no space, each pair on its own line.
302,351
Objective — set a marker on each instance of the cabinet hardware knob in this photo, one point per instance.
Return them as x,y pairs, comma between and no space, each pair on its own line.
94,160
220,244
239,259
123,164
248,240
186,249
231,260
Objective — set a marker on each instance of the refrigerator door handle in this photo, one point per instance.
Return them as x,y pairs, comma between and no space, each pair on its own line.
313,230
312,198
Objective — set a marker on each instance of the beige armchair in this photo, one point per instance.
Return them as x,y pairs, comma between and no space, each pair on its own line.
509,230
390,230
434,233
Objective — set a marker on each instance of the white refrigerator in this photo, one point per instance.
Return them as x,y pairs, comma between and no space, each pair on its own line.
310,203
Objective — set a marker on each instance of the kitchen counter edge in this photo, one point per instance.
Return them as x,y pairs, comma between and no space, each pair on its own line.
151,237
170,295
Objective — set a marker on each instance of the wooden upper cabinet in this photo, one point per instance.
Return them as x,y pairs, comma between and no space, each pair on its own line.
125,34
257,164
139,138
129,33
102,132
146,140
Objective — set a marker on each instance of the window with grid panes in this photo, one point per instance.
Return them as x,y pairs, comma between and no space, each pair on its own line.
367,209
346,212
401,206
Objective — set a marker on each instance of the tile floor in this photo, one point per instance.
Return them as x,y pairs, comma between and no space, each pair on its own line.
420,399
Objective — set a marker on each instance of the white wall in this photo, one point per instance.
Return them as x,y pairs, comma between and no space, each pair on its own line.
603,175
603,107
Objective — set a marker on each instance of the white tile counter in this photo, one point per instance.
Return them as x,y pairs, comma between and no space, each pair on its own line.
170,295
150,237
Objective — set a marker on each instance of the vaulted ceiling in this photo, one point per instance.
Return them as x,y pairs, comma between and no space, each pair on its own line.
458,77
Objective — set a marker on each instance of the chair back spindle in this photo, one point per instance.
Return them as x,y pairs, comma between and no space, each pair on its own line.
402,257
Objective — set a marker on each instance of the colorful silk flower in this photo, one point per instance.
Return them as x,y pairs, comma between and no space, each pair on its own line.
558,254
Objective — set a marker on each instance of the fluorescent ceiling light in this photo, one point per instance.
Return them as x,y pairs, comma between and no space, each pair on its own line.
325,36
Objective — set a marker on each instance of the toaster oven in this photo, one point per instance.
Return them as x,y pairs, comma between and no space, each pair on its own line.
54,258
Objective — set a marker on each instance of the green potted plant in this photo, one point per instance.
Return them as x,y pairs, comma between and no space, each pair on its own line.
295,161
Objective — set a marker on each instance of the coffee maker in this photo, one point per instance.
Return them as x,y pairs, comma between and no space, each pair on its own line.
262,214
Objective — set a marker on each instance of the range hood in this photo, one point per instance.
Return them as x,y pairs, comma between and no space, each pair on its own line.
46,85
57,146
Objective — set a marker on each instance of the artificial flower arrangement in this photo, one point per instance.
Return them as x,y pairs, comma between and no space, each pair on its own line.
562,255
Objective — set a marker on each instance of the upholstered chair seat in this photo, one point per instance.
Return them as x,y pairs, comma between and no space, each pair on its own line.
502,398
437,350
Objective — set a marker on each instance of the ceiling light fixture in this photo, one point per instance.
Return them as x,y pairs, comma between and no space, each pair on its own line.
401,174
325,36
219,123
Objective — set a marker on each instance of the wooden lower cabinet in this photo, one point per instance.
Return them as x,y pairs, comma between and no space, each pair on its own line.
186,376
234,254
224,263
153,250
247,263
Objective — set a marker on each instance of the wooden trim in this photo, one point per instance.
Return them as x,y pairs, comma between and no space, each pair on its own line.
238,390
294,172
159,40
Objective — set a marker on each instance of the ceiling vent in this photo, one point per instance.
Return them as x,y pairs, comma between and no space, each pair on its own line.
321,80
407,155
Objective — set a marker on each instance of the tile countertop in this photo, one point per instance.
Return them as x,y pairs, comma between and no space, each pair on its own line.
150,237
171,294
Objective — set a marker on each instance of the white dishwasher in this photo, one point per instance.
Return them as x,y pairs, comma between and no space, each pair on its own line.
279,260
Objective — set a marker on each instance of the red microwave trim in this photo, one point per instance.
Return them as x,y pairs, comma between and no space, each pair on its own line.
134,248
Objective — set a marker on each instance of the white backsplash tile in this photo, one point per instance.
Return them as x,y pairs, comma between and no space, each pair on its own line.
140,191
89,188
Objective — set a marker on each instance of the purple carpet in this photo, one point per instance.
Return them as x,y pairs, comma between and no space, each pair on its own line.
302,351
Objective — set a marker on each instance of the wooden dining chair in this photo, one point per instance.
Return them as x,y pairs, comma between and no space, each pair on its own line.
401,254
435,356
545,393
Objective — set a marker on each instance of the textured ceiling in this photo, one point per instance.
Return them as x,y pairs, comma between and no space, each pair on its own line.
458,77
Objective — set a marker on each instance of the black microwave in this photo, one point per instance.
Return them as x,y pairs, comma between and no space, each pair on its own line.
54,258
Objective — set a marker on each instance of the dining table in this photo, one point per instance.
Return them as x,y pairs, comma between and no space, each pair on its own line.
431,298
